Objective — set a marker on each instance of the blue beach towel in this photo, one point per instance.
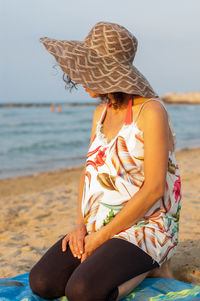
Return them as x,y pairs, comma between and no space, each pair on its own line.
151,289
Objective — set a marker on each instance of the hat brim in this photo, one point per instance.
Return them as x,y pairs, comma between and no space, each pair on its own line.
101,74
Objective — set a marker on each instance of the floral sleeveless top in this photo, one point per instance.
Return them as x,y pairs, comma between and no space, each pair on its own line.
114,173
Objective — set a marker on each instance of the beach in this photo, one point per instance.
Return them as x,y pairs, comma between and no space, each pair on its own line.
38,209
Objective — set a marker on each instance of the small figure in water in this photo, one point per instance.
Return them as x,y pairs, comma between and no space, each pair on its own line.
59,108
52,108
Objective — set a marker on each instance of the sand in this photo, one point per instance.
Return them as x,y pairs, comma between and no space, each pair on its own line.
39,209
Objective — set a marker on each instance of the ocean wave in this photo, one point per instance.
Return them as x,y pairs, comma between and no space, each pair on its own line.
45,145
42,132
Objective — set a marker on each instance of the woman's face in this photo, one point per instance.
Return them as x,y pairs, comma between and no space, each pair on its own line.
91,93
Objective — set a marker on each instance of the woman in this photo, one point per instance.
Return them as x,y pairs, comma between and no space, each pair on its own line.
129,193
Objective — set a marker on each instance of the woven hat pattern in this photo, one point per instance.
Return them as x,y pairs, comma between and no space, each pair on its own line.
113,41
103,61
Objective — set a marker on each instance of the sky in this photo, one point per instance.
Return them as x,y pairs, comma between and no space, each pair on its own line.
168,34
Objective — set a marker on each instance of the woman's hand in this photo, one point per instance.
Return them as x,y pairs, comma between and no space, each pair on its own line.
92,241
76,240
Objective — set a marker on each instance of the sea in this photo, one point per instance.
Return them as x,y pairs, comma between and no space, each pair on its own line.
36,139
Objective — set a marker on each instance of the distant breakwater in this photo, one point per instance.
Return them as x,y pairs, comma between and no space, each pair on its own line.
182,98
22,105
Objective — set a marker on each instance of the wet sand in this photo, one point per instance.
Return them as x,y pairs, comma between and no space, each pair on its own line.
37,210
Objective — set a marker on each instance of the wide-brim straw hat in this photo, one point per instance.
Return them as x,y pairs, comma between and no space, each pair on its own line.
102,61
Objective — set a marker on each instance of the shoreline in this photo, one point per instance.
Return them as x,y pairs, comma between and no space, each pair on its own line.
36,173
38,209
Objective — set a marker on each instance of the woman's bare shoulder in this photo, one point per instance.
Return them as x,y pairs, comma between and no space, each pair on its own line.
152,110
153,106
98,111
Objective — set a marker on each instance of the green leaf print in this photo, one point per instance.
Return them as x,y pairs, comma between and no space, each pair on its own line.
175,229
177,215
169,220
109,217
141,224
113,207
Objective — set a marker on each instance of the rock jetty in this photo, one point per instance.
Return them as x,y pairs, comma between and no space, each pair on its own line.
182,98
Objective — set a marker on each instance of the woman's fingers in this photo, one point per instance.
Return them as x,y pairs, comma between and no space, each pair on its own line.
80,246
64,243
75,240
76,252
71,245
84,256
77,247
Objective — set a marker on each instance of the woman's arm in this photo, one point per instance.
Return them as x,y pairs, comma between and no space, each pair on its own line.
96,117
79,217
76,236
156,145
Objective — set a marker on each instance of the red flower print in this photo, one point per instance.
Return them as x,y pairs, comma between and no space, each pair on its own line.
177,189
93,152
100,157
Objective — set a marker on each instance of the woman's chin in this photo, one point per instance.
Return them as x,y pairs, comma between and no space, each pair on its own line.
94,95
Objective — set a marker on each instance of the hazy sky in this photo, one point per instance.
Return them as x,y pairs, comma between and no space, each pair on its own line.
168,33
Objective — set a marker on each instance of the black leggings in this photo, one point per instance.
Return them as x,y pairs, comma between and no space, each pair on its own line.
97,278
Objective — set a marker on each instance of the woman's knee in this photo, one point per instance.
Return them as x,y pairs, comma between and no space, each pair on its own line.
86,290
79,289
75,290
40,284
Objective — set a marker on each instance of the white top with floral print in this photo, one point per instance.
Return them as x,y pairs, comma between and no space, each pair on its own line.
114,173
